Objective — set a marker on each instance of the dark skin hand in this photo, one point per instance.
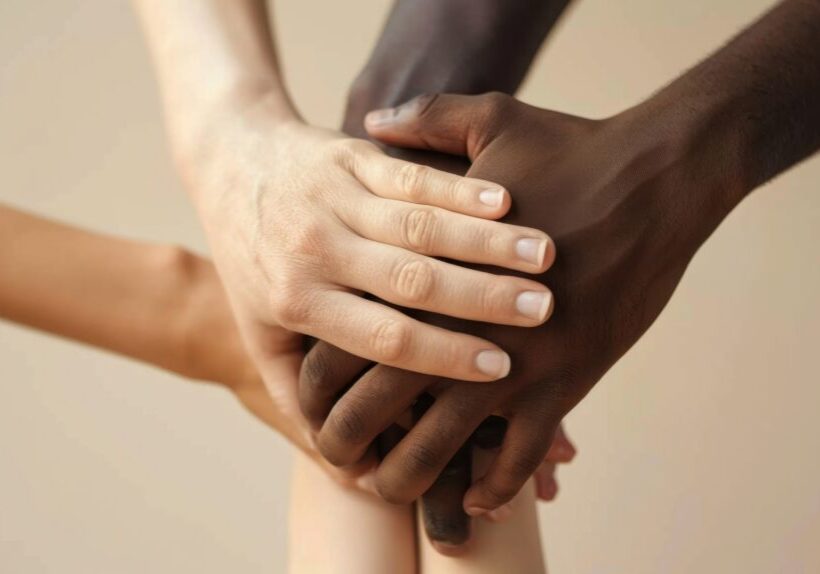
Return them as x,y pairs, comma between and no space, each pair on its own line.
628,200
458,46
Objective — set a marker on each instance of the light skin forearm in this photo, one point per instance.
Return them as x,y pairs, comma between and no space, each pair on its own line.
112,293
211,57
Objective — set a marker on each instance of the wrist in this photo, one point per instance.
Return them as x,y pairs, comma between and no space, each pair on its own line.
194,320
206,149
674,141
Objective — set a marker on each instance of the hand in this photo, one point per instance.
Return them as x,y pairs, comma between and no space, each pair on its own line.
301,220
211,349
617,196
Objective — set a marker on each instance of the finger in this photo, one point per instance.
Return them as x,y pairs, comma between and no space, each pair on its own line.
419,282
392,178
433,231
325,372
561,450
546,487
521,454
384,335
455,124
366,409
414,464
445,522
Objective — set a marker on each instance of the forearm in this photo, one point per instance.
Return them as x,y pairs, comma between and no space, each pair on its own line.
456,46
119,295
210,56
755,102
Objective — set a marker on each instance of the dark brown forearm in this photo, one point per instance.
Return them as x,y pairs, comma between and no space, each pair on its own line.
757,100
455,46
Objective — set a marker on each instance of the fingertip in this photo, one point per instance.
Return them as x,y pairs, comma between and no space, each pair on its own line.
493,363
547,490
550,252
494,200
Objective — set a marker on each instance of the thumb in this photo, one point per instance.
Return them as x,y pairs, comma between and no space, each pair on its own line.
454,124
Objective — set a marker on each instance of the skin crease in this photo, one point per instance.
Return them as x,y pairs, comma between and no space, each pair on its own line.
298,218
628,200
499,39
165,307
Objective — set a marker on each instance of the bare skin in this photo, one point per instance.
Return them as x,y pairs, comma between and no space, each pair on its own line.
499,40
628,199
166,307
299,218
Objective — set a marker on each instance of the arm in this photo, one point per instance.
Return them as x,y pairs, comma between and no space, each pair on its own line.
454,46
108,293
300,219
629,200
158,304
458,46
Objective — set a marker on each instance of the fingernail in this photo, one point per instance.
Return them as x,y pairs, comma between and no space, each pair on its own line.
492,197
493,363
380,117
501,513
533,304
532,250
475,511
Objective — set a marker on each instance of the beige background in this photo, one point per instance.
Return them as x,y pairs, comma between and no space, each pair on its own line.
698,453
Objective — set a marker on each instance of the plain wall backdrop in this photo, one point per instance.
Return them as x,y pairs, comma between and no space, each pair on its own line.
698,451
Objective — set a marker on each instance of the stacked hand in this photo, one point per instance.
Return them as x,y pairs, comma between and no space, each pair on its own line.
604,191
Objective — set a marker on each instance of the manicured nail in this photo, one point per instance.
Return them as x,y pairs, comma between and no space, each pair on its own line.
493,363
501,513
492,196
532,250
475,511
380,117
534,304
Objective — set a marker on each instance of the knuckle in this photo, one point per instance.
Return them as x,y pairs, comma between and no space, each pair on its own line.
524,464
390,490
499,491
496,107
425,104
343,151
349,425
420,459
289,302
413,280
417,228
390,340
411,178
307,239
494,299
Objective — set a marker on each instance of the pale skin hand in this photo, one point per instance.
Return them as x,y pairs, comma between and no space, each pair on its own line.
301,220
164,306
